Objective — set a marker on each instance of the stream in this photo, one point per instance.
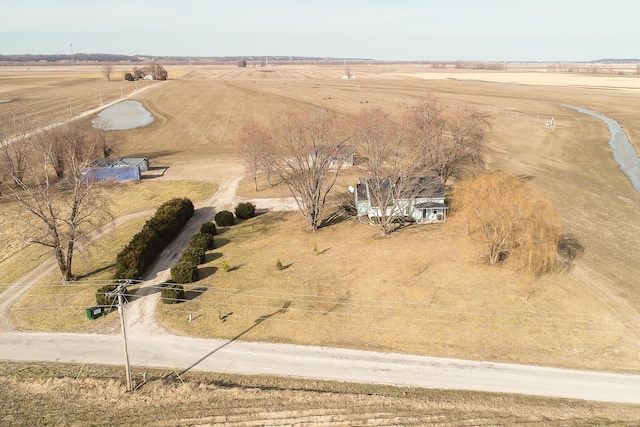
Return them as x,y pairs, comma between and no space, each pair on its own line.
624,153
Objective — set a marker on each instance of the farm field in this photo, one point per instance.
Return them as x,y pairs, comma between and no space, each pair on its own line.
54,394
419,290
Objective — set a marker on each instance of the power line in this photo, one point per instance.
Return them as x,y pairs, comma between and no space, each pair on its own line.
338,301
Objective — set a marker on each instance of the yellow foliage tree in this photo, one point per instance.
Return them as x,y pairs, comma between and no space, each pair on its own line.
511,223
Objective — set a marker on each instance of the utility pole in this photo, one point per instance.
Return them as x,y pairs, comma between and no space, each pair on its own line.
119,291
101,98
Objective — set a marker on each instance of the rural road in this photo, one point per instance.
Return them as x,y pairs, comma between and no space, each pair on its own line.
182,354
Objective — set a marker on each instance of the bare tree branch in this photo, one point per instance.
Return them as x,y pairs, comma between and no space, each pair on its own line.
60,207
307,157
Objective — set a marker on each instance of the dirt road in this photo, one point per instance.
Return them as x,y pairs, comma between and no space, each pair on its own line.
183,354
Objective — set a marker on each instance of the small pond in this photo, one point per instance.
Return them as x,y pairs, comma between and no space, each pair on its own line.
125,115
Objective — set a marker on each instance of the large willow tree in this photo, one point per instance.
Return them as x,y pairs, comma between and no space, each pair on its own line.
511,222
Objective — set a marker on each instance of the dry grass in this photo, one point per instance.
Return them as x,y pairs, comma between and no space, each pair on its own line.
365,292
55,394
584,317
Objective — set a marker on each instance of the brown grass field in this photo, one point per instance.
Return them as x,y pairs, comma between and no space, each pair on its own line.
60,394
419,291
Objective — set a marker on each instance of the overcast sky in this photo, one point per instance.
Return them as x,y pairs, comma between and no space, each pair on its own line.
490,30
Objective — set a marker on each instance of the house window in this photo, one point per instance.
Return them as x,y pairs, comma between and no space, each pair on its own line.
424,214
435,211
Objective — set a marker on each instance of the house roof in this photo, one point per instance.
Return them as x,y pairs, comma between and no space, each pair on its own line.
427,205
411,188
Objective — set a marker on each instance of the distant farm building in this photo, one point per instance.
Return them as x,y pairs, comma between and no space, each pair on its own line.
340,156
123,169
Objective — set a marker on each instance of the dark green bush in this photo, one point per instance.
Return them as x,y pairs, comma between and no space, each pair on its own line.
194,255
202,240
209,228
172,293
185,272
245,210
155,235
224,218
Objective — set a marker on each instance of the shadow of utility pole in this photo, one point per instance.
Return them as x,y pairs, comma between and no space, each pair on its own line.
257,322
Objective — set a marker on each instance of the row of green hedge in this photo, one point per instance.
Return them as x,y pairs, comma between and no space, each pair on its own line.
186,271
155,235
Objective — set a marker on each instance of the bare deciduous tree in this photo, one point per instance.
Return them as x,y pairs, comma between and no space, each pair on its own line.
59,211
452,138
392,165
50,142
254,141
510,221
107,70
306,154
15,147
106,139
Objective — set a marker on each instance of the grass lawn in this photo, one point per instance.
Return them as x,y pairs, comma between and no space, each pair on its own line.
416,291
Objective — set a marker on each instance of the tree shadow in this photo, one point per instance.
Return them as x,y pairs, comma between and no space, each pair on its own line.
96,271
256,322
236,267
276,217
154,172
335,218
221,230
192,294
526,177
212,256
144,291
569,249
205,272
220,242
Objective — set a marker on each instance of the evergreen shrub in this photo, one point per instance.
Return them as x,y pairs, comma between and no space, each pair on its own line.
245,210
202,240
155,235
185,272
209,228
193,254
224,218
172,293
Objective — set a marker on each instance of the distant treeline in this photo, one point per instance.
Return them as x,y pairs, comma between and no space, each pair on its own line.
104,57
78,57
